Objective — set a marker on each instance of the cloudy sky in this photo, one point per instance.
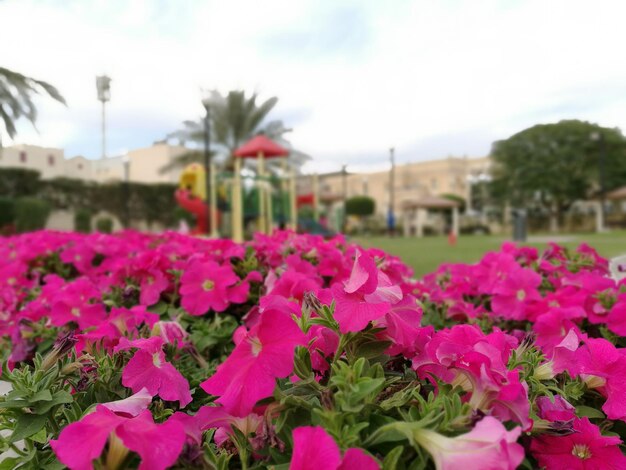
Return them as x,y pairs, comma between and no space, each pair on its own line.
432,78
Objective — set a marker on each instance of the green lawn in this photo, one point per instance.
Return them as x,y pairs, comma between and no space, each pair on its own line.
425,254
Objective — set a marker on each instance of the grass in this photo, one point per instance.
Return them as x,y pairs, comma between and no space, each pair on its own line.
426,254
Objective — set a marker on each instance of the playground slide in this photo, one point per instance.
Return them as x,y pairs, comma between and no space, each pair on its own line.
195,206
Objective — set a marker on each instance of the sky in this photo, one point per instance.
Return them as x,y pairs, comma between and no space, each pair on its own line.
353,78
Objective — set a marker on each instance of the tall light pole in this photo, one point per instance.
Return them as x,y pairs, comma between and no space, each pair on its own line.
207,162
391,219
103,85
344,180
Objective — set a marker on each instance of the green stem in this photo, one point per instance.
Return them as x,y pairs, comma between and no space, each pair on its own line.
16,450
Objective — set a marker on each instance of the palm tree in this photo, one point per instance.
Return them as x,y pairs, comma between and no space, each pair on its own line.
235,118
16,99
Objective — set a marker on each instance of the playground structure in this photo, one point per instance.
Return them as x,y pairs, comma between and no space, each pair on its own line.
191,193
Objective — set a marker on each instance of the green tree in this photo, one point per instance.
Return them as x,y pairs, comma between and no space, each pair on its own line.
16,99
361,206
235,118
550,166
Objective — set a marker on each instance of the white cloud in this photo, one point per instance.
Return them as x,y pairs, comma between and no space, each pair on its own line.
361,75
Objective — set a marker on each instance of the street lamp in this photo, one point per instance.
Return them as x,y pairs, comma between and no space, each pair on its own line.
206,102
344,179
103,85
391,220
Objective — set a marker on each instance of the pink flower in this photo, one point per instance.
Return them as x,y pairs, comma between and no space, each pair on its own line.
585,449
366,296
148,369
488,446
205,285
603,366
158,445
260,357
315,449
81,442
511,296
556,408
403,328
171,332
132,405
74,304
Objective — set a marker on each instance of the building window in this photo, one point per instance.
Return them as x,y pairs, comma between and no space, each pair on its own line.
23,157
51,160
433,183
80,166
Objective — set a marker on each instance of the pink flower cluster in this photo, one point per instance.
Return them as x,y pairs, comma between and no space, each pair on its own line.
465,329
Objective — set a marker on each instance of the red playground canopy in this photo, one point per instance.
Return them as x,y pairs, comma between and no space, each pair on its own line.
260,144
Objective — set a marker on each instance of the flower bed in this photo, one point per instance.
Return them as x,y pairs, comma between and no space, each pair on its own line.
157,351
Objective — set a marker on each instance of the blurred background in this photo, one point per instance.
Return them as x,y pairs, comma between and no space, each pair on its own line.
416,126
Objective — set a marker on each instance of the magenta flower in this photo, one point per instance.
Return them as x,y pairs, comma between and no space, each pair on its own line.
512,296
171,332
78,302
205,285
585,449
315,449
488,446
132,405
603,366
81,442
260,357
556,408
366,296
148,369
158,445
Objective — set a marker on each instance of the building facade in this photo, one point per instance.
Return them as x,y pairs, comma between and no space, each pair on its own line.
140,165
413,182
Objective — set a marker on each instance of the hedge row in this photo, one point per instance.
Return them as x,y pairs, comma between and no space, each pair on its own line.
153,203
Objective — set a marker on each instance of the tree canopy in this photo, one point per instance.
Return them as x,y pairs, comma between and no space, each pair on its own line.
550,166
360,205
235,118
16,98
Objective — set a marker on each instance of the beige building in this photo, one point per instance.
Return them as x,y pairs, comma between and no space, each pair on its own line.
146,163
49,162
415,184
143,165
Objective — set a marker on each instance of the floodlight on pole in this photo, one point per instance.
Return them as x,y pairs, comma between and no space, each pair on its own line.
103,85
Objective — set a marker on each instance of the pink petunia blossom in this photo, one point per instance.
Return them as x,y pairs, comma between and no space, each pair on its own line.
78,301
81,442
487,446
148,369
366,296
512,296
585,449
314,449
205,286
262,356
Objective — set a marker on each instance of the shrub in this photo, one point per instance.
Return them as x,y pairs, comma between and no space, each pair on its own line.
104,225
7,211
82,221
360,205
31,214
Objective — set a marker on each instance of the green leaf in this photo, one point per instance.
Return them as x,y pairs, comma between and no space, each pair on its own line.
371,349
583,411
40,436
27,425
392,458
60,397
14,404
9,463
42,395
